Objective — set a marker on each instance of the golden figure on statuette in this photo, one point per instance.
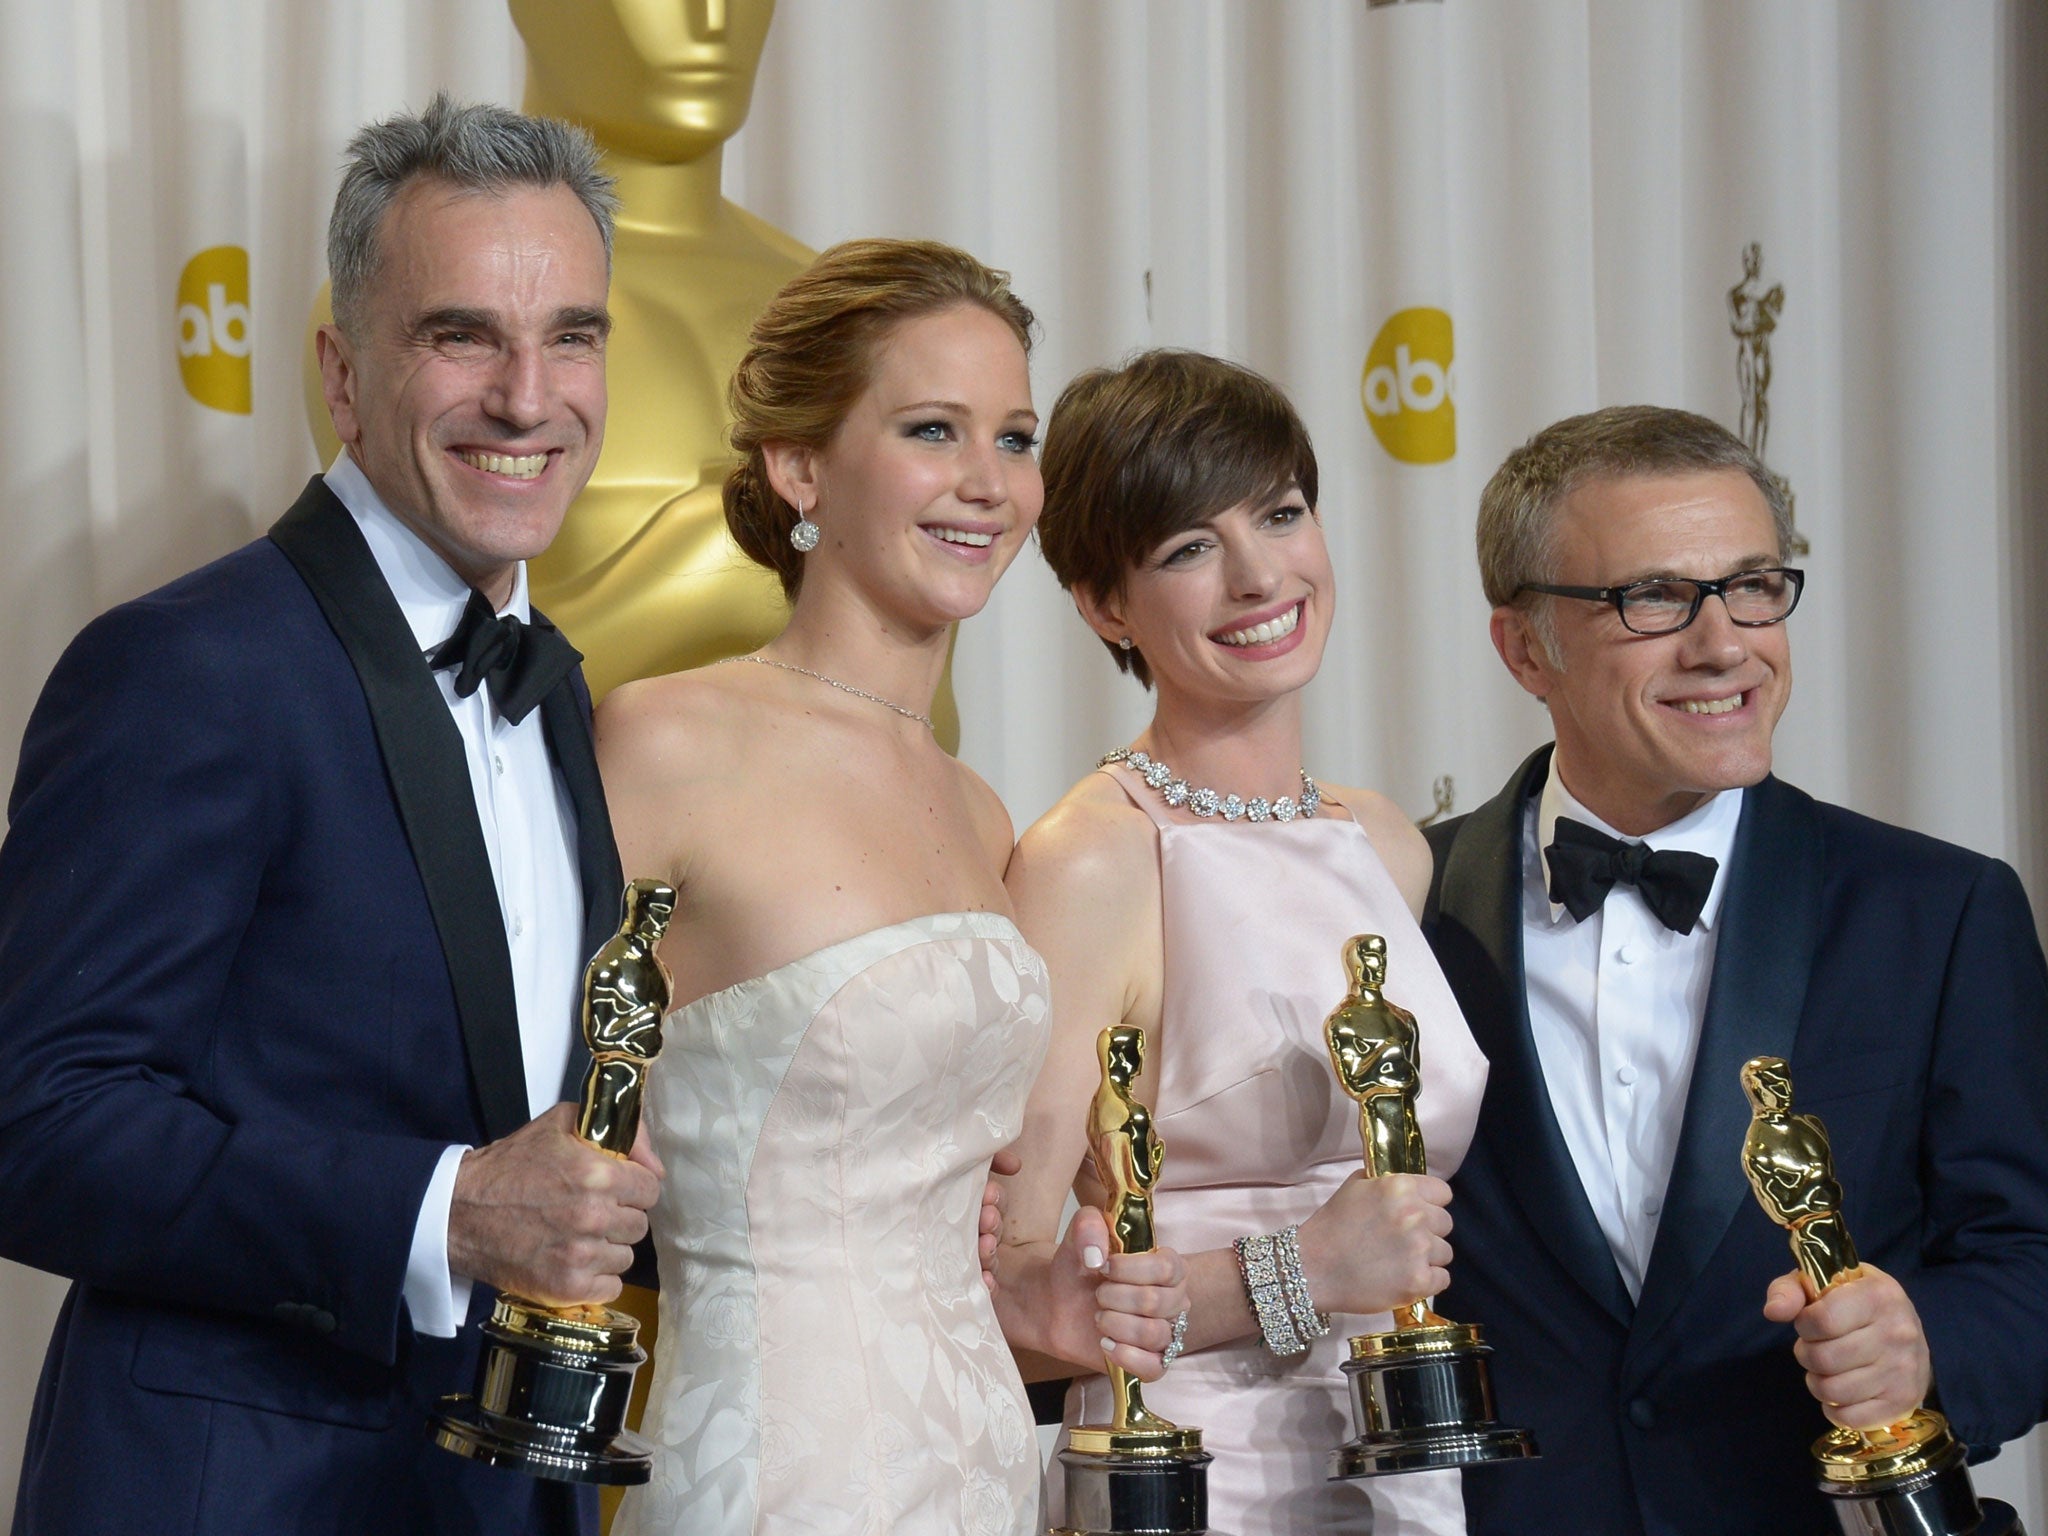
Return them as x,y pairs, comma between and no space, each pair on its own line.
1912,1471
1139,1472
1127,1154
1421,1394
554,1382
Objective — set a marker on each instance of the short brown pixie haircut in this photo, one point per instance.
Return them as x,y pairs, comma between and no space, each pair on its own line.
1134,455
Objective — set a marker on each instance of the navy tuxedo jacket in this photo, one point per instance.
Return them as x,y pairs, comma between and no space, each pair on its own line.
253,979
1902,979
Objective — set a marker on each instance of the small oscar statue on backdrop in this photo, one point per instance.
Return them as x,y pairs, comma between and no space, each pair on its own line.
1421,1394
1139,1474
553,1382
1753,311
1908,1477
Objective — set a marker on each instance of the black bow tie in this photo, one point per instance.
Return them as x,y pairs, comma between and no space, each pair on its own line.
1585,864
522,661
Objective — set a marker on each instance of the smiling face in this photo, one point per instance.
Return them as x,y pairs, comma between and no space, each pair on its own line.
1235,609
1650,726
474,396
929,487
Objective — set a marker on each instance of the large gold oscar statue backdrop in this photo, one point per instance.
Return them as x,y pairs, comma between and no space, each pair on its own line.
643,577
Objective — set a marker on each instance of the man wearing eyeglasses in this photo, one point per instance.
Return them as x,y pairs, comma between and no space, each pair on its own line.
1642,909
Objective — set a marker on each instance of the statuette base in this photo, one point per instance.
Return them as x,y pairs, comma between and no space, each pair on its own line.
1135,1482
1423,1398
1910,1480
552,1391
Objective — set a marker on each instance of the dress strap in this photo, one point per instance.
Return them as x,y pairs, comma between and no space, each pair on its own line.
1140,793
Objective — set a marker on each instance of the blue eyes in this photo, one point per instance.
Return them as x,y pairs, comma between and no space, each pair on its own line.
942,432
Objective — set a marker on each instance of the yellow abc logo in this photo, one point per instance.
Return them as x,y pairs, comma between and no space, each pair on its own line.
1410,387
213,328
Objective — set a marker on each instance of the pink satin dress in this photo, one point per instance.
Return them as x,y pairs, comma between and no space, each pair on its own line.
1258,1135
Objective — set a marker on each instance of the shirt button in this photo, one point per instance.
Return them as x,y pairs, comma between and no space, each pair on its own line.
518,925
498,761
1652,1205
1628,954
1625,1075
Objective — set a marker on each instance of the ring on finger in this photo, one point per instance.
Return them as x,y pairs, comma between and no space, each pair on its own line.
1178,1341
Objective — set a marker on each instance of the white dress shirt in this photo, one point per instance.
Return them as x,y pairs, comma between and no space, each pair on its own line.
1615,1005
529,827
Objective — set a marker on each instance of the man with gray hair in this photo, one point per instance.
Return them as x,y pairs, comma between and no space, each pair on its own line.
306,852
1640,911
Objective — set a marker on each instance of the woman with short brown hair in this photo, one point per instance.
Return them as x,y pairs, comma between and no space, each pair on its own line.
1201,886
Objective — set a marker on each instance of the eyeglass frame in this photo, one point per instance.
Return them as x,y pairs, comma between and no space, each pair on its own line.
1702,590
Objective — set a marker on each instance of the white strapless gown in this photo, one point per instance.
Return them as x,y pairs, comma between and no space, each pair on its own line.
829,1360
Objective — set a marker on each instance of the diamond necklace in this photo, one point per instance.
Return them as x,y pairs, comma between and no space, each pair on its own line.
833,682
1176,792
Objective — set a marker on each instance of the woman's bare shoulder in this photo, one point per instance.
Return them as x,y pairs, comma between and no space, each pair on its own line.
991,818
1395,838
674,726
1092,833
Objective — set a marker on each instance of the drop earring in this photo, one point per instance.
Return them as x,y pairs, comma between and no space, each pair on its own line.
803,533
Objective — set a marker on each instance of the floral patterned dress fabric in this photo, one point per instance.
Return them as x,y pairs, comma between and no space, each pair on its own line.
829,1360
1258,1134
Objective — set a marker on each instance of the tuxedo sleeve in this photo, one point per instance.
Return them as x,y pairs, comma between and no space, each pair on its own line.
1983,1295
146,819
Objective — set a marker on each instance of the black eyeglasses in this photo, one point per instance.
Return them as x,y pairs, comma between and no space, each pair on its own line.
1755,599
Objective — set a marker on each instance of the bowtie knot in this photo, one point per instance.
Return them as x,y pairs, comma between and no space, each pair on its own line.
1585,864
521,662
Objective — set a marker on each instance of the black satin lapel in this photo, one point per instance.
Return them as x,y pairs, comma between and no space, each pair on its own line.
565,713
422,751
1769,927
1479,942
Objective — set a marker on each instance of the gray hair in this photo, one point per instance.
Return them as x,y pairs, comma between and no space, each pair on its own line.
475,148
1517,510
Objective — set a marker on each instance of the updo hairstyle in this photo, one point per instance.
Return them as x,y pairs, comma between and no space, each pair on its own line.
1136,454
812,352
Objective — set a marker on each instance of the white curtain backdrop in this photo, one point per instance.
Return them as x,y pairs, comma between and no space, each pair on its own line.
1440,225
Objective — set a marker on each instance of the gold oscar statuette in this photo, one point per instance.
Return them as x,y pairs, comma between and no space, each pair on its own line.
1421,1393
1139,1473
1903,1477
553,1382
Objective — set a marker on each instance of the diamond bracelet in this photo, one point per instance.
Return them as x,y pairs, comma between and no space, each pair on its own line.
1308,1322
1260,1271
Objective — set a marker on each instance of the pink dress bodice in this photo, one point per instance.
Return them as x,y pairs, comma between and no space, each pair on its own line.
1258,1134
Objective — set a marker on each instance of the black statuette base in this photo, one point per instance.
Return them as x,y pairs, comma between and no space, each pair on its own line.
1938,1502
550,1412
1110,1495
1424,1408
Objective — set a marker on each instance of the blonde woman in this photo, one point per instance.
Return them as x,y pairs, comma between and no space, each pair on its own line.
861,1020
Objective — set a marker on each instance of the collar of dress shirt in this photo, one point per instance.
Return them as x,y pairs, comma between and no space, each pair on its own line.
1709,830
429,592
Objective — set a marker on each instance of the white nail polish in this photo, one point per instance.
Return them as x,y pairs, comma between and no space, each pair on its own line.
1091,1257
1108,1345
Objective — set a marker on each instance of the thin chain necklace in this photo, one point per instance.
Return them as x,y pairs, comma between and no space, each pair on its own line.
833,682
1205,802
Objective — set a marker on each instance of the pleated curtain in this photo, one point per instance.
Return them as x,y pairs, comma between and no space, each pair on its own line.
1439,224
